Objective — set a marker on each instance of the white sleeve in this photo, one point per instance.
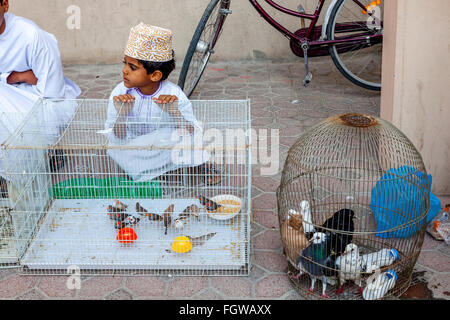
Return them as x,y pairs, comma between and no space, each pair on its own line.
4,77
111,115
185,107
46,65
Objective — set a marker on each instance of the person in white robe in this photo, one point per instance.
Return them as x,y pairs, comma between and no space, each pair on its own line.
153,134
30,69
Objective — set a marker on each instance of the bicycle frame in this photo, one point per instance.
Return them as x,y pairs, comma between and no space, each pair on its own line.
314,18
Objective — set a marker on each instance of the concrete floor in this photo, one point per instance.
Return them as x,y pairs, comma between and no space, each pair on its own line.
278,101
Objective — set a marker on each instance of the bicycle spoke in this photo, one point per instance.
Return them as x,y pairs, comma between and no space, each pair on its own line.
202,44
359,61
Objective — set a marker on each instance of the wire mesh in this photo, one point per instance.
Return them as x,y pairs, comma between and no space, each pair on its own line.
352,204
146,192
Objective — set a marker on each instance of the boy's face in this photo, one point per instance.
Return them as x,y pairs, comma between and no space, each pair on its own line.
135,75
3,8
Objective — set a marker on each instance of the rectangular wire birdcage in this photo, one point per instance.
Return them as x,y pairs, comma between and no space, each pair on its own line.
149,192
8,253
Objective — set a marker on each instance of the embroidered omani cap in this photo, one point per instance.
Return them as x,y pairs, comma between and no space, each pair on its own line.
150,43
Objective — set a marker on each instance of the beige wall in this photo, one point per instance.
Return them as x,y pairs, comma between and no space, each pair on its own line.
105,25
416,79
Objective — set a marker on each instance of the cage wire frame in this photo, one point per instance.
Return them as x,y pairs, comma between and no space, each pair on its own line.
338,164
65,168
9,122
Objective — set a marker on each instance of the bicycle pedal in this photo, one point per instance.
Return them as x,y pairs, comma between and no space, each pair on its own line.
307,79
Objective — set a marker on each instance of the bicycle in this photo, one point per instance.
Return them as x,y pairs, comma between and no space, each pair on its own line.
350,27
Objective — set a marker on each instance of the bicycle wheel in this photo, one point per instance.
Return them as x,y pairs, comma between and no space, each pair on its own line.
358,61
202,44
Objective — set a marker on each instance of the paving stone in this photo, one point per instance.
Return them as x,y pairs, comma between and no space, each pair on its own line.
98,286
435,261
266,184
269,239
55,287
256,272
267,201
440,286
267,219
429,243
444,248
146,286
186,286
232,287
272,261
273,286
16,285
7,272
293,295
255,229
32,295
119,295
209,294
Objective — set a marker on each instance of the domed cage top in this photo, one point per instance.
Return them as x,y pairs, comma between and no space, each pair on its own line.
352,204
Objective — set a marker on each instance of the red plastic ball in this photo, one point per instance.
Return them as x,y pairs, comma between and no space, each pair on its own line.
126,235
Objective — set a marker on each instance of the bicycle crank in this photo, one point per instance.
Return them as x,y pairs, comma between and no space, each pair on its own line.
308,76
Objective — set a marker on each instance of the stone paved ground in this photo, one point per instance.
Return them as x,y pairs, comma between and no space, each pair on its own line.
277,101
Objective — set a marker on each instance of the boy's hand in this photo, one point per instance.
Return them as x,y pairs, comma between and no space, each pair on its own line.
124,103
163,99
172,108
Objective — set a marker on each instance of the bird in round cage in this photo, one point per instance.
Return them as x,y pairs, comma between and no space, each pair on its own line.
305,213
312,259
349,265
339,230
293,236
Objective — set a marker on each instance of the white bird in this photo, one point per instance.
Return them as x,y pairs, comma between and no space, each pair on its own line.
178,224
350,268
305,212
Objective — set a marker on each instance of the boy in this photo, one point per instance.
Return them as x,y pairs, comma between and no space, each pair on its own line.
148,110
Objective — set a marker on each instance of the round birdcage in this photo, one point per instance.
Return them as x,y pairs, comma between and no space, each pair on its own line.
352,208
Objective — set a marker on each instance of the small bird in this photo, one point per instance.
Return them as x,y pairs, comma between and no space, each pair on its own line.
178,224
201,240
293,236
192,210
209,204
119,205
312,259
129,219
349,265
116,214
167,217
151,216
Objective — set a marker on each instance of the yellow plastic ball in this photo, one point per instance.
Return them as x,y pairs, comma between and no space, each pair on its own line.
181,245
